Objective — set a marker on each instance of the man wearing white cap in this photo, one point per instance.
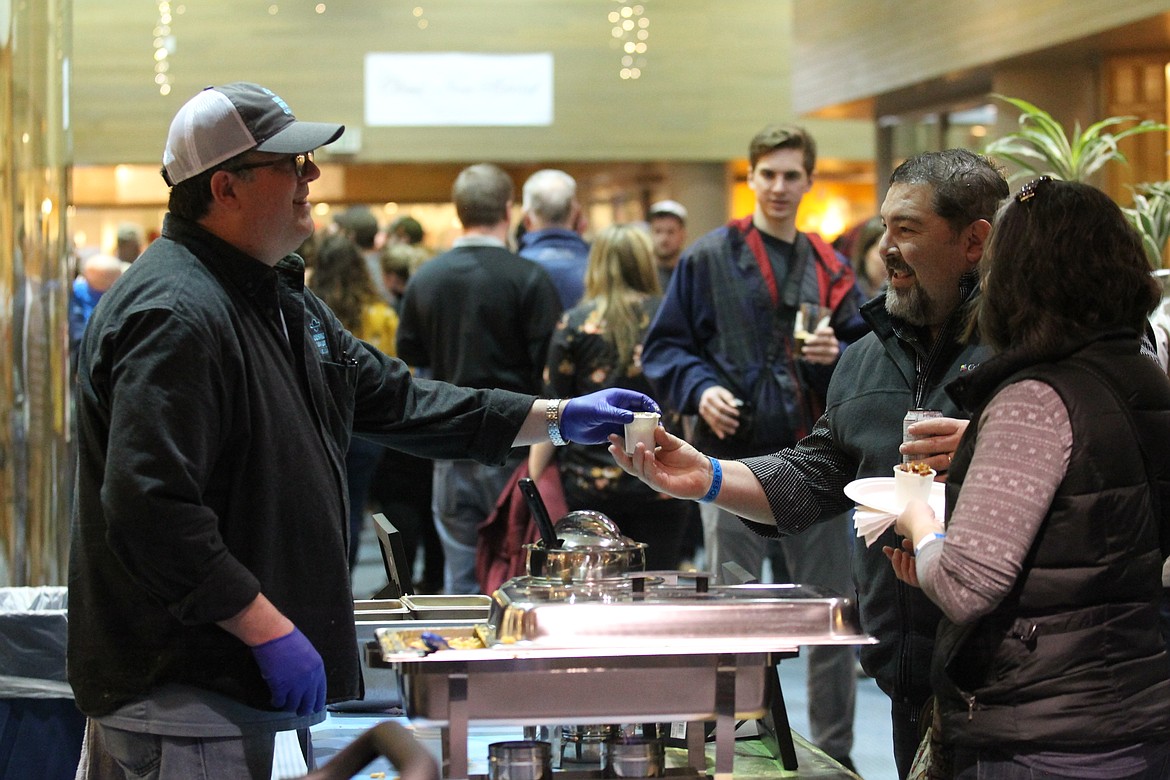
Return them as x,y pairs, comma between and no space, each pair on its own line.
209,600
668,230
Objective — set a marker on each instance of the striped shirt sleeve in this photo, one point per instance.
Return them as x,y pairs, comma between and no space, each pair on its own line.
804,483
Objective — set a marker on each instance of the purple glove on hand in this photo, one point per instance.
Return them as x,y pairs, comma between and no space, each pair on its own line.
294,672
591,418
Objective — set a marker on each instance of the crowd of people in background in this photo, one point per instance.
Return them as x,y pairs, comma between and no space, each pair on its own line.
361,269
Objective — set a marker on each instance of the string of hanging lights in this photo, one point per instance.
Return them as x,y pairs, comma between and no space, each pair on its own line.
631,31
164,47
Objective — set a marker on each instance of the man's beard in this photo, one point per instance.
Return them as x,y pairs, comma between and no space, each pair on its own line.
911,305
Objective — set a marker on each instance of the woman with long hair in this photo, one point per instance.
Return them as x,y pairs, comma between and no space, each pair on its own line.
341,278
598,344
868,265
1050,660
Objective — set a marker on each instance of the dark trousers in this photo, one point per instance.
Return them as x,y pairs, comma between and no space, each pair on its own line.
361,461
402,490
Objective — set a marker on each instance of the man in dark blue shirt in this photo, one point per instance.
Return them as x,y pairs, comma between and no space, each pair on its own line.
722,347
552,223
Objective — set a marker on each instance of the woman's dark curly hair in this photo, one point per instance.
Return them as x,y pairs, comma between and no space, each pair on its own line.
1062,265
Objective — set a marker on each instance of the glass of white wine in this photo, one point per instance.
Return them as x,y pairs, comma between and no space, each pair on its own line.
810,317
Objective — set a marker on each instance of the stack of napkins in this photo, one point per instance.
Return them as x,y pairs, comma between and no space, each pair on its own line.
872,523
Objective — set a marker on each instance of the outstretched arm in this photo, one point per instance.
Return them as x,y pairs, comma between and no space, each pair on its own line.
678,469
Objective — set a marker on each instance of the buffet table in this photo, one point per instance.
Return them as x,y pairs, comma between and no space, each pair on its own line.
672,657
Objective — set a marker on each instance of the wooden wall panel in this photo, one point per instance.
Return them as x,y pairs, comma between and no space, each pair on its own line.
1136,86
845,50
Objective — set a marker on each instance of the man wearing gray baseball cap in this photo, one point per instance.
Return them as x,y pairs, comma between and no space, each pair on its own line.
222,122
210,603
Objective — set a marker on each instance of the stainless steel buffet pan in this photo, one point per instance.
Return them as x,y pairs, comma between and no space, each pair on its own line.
652,612
381,679
369,614
448,607
362,606
640,648
522,686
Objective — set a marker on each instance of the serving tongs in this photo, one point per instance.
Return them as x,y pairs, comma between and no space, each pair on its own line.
539,514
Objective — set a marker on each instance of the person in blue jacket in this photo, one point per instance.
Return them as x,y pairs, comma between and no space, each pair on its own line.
722,347
553,221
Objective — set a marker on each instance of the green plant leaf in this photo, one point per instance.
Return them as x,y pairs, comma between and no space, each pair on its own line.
1150,216
1041,145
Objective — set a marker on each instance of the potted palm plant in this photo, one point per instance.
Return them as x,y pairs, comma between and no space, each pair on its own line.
1042,147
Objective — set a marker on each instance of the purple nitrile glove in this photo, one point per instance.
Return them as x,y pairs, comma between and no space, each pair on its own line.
591,418
294,672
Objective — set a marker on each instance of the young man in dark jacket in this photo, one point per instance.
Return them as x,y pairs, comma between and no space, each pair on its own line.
722,347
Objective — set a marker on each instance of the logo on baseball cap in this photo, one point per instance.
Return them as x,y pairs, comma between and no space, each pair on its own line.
221,122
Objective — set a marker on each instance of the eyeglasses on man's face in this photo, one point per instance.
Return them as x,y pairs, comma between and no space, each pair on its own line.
299,161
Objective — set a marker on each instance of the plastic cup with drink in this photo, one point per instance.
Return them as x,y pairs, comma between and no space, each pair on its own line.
809,318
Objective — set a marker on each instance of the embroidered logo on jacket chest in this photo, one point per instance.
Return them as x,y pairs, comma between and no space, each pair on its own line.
318,333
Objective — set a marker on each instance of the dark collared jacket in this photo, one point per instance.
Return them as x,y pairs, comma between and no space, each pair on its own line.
719,324
875,382
215,401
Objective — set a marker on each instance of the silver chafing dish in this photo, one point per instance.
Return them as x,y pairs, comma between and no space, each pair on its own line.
642,648
667,612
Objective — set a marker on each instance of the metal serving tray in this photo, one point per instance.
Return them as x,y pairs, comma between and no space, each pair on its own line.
370,614
448,607
617,649
662,612
361,606
525,686
638,649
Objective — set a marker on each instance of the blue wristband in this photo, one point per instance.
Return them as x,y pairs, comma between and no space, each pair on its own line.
716,482
927,540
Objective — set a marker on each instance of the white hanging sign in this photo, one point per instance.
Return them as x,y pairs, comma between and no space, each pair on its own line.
458,89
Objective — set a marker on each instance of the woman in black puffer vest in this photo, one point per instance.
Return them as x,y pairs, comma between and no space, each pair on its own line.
1050,660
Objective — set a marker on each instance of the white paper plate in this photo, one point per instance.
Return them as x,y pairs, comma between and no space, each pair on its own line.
878,493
